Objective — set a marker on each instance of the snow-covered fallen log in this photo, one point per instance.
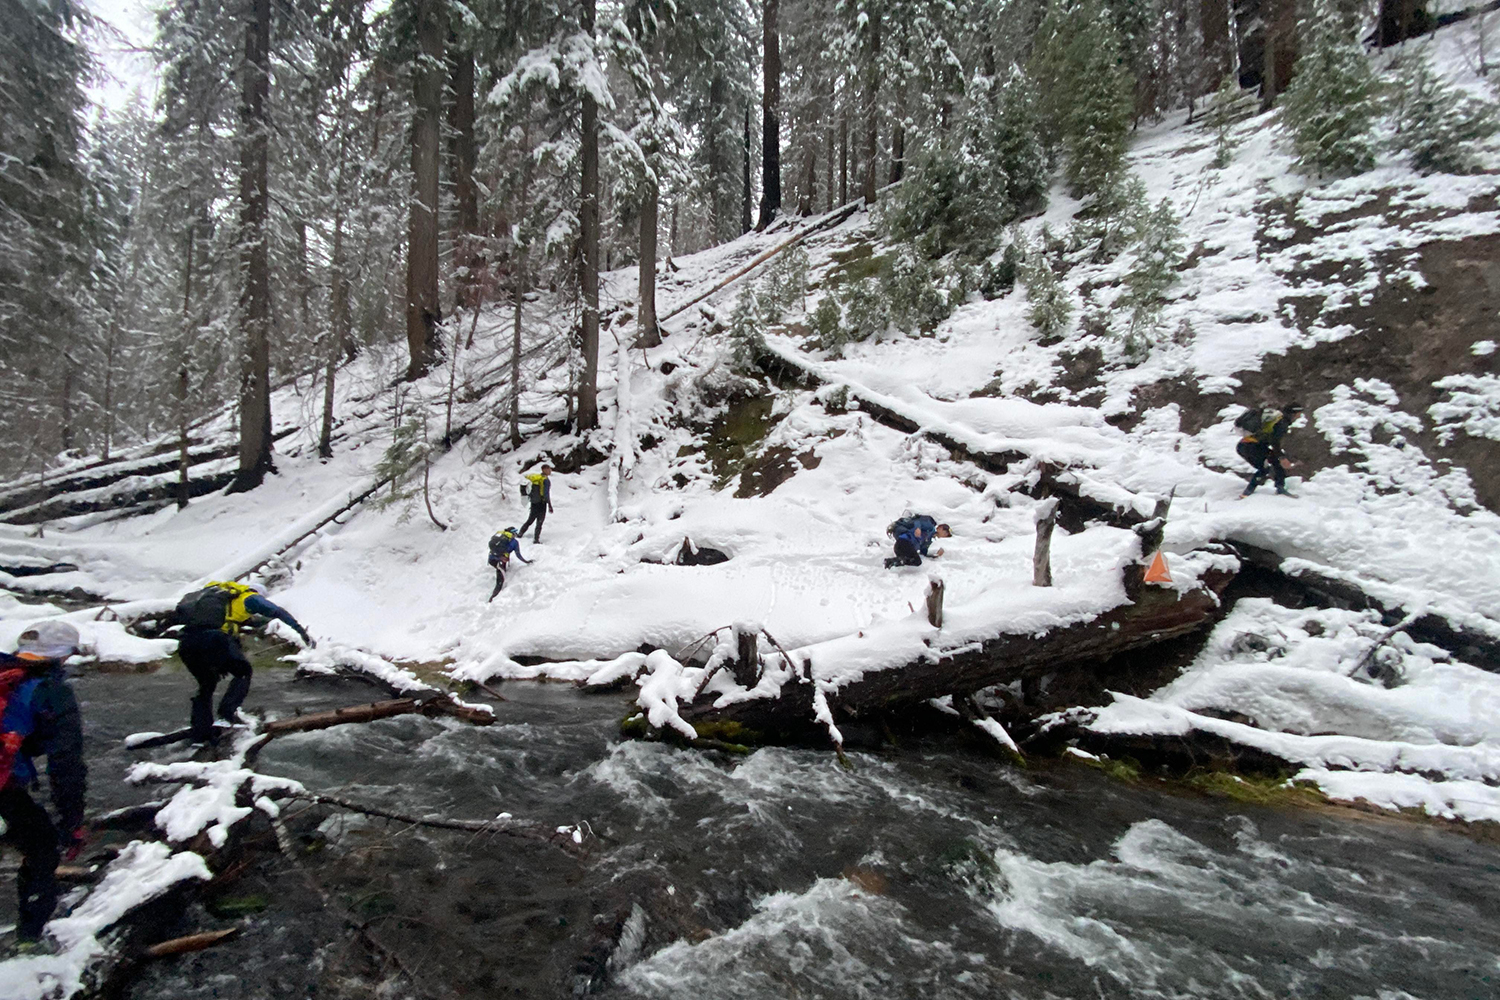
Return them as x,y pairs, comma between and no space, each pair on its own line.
805,692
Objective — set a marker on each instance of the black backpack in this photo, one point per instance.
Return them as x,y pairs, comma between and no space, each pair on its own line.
206,608
499,549
1251,420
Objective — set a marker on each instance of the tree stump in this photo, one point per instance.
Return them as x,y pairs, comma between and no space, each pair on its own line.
935,602
1041,560
747,662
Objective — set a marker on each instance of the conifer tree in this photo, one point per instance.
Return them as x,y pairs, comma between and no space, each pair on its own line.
1079,65
1332,103
1437,125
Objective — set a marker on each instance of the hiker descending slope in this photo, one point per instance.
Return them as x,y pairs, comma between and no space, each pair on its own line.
914,534
1261,446
211,619
504,544
539,489
39,715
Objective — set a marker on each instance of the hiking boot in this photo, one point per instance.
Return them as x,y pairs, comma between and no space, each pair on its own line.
1284,492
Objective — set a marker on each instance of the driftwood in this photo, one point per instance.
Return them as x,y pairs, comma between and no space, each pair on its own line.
192,942
377,710
528,831
1150,615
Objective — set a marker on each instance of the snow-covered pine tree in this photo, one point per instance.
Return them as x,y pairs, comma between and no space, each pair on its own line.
1228,106
1331,105
1051,305
1087,91
1018,149
1437,125
1158,252
46,239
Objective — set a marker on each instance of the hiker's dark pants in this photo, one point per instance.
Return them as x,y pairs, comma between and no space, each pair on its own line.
500,569
906,555
210,654
538,514
1259,456
30,830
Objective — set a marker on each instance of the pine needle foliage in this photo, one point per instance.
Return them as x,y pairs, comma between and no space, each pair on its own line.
1333,101
1437,125
1080,67
1051,305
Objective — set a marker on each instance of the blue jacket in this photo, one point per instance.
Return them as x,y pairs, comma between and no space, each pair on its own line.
258,605
44,711
924,530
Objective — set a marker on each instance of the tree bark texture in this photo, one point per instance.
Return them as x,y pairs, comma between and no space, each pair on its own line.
462,159
423,310
745,204
255,298
770,151
648,334
1150,615
1218,52
872,108
588,217
843,158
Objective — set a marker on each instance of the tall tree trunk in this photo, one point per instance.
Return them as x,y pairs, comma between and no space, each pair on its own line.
255,300
65,401
518,296
1270,18
338,298
718,215
872,108
462,157
843,158
588,218
810,178
649,335
1213,21
423,310
745,203
828,147
770,140
182,373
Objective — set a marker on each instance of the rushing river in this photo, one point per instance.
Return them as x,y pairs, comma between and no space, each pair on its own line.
926,871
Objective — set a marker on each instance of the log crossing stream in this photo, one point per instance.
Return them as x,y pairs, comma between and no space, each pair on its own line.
929,870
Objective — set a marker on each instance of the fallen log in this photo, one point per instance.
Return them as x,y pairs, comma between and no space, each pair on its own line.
1474,647
190,943
1149,615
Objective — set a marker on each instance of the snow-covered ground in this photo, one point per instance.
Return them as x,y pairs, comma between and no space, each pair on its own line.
805,560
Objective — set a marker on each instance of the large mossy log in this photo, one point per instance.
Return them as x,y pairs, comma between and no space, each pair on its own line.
1150,615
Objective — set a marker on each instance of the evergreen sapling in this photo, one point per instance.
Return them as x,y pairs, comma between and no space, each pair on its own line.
1333,101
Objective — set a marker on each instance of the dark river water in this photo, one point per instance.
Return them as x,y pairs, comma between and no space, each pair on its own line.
930,870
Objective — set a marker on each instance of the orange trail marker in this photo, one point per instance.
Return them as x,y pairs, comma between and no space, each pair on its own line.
1157,572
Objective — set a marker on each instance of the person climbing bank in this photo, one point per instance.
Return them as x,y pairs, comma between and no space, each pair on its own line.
539,489
913,535
503,545
1261,446
209,646
39,715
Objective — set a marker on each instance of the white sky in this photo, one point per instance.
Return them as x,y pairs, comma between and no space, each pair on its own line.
120,46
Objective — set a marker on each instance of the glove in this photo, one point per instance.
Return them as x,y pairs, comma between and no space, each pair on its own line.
74,843
311,642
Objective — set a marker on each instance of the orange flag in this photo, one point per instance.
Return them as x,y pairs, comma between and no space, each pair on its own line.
1157,572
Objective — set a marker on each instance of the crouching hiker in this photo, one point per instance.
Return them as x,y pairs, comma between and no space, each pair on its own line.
504,544
209,646
1261,446
913,535
39,715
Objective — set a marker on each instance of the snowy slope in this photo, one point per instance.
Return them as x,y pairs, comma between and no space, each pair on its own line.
805,559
